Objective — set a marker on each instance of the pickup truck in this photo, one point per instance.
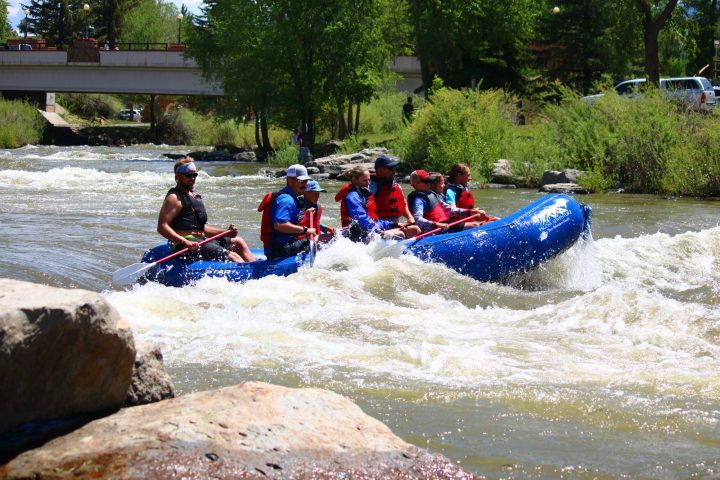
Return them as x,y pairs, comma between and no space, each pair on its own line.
694,92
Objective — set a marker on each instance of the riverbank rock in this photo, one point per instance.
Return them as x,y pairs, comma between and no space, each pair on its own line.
150,382
569,175
254,430
563,188
502,173
61,353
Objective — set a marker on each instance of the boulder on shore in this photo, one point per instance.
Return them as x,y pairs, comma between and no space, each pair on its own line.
150,382
254,430
61,353
569,175
567,188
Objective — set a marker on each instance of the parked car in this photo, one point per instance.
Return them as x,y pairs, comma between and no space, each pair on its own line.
696,93
129,114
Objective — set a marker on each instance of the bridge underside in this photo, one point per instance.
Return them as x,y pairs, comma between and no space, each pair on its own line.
89,79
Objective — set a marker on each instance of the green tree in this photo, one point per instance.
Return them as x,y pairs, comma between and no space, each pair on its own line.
110,18
58,21
287,58
151,21
580,41
705,16
462,41
654,15
6,30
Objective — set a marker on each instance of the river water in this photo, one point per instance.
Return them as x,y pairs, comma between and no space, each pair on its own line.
603,363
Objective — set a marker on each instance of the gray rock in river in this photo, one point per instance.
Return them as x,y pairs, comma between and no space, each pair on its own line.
150,382
254,430
61,353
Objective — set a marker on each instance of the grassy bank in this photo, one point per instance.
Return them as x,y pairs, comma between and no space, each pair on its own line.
20,124
650,145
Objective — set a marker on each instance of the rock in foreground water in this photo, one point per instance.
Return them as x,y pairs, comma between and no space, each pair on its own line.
61,353
254,430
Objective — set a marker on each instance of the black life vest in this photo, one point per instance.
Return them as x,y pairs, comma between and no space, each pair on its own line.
192,215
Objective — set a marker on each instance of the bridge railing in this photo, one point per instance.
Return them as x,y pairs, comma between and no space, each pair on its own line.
126,46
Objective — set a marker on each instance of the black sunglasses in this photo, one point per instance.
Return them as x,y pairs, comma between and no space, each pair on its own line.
190,175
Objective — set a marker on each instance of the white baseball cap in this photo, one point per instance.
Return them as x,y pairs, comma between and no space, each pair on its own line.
298,171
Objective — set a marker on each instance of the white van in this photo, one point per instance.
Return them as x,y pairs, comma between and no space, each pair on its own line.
695,92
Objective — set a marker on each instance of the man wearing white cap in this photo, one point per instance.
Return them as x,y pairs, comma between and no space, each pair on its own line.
183,220
288,237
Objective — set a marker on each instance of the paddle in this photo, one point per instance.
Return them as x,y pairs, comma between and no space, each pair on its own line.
436,230
310,260
131,273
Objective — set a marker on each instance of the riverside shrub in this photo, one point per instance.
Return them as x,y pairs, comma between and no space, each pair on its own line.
20,124
628,142
468,126
90,105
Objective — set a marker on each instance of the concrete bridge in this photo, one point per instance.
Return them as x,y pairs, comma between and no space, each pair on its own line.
156,72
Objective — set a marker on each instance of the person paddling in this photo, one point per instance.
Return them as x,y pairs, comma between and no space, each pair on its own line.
358,214
283,231
430,210
183,220
311,200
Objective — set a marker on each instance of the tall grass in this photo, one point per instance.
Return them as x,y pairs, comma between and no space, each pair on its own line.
20,124
187,127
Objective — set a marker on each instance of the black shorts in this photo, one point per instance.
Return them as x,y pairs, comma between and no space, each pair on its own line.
215,251
290,249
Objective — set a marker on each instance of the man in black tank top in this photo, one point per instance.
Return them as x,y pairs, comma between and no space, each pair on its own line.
183,221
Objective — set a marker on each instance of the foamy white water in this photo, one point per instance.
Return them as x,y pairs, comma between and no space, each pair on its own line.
602,362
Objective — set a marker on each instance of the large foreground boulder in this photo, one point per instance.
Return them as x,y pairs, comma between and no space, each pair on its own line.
61,354
254,430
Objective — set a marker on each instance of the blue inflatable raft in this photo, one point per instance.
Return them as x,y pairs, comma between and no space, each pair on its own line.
513,244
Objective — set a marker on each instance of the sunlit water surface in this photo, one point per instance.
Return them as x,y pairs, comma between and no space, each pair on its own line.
603,363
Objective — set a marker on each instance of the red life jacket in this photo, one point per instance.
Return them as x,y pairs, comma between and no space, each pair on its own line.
266,226
463,196
389,200
433,209
368,203
305,220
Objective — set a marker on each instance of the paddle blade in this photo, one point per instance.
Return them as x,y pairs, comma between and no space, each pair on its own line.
131,273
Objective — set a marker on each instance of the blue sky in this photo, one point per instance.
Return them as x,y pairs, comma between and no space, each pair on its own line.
15,11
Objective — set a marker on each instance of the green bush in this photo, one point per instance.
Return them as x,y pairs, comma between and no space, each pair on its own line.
90,105
472,127
693,166
284,156
20,124
627,141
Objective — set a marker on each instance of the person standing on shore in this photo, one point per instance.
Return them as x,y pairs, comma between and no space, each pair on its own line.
183,220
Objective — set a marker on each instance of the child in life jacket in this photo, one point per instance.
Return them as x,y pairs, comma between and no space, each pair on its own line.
430,210
311,199
457,192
